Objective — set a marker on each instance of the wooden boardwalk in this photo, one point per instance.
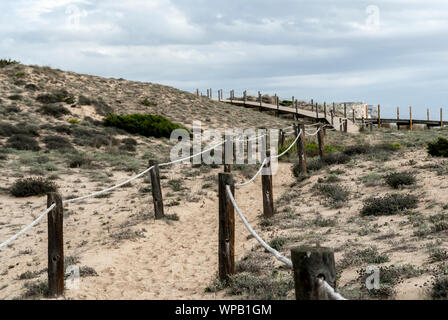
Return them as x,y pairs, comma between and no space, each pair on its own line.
352,127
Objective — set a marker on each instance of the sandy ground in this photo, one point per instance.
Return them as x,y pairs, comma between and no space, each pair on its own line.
175,259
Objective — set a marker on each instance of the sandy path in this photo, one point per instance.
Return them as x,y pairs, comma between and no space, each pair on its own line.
175,259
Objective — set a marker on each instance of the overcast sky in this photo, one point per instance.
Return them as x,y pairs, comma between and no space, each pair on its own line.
390,52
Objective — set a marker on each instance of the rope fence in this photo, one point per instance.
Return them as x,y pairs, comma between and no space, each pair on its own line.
55,206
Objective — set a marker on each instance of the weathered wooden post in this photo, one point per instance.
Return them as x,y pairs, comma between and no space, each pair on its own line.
211,94
310,265
410,119
278,105
266,181
245,97
208,93
441,118
321,140
55,220
345,125
297,109
353,115
363,124
345,110
197,93
312,105
226,237
301,147
379,116
398,113
367,112
317,110
334,109
156,190
325,110
340,125
260,98
281,138
332,117
231,96
292,102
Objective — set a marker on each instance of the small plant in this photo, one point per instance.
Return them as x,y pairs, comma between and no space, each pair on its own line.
80,161
336,193
56,97
388,205
278,243
438,148
15,97
176,184
335,158
144,124
58,143
439,290
172,217
22,142
7,62
29,187
54,110
74,121
398,179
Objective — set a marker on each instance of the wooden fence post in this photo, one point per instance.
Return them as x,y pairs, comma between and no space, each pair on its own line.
245,96
398,113
297,109
321,140
410,119
261,100
332,117
334,109
427,114
309,265
312,105
345,110
325,110
379,116
156,187
197,93
266,181
226,238
363,124
317,110
441,118
281,139
301,147
278,105
340,125
345,125
353,115
55,245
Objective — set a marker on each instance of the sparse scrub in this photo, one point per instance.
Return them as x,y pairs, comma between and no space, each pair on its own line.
144,124
388,205
438,148
399,179
32,187
249,286
58,143
337,194
22,142
56,97
54,110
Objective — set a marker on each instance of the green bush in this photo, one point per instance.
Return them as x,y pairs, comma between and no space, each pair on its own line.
438,148
335,158
356,150
7,129
22,142
144,124
7,62
29,187
388,205
58,143
337,194
80,161
54,110
398,179
439,290
55,97
148,103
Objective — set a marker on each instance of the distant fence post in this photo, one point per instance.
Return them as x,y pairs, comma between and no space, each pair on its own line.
197,93
398,113
278,105
367,112
261,101
379,116
321,140
345,125
317,110
309,265
245,96
312,105
410,119
334,109
297,109
156,190
340,125
226,237
208,93
353,114
332,117
266,181
427,114
441,118
363,124
325,110
55,245
345,110
301,147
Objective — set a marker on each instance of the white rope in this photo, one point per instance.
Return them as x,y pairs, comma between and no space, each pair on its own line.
290,146
264,244
255,176
111,188
312,134
14,237
333,294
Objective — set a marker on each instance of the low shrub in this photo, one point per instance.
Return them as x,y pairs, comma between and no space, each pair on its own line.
146,102
29,187
15,97
439,148
54,110
8,129
80,161
335,158
398,179
58,143
101,107
84,101
56,97
388,205
22,142
260,288
357,150
7,62
337,194
439,290
144,124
